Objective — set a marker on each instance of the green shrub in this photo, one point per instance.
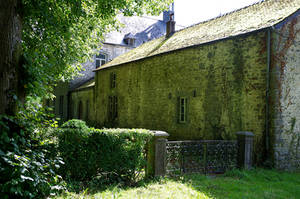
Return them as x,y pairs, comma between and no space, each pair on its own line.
113,155
27,169
119,153
73,149
75,124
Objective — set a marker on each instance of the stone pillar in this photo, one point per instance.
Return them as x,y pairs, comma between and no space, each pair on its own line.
156,155
245,149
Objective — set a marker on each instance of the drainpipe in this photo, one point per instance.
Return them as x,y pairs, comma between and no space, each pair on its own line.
268,90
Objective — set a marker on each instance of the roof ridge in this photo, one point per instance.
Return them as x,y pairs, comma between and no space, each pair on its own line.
231,12
222,15
257,16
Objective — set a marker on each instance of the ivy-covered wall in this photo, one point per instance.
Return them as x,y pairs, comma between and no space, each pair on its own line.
224,83
285,90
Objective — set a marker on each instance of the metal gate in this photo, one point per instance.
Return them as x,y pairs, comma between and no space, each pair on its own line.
204,156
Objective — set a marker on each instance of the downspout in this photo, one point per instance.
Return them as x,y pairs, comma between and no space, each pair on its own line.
268,90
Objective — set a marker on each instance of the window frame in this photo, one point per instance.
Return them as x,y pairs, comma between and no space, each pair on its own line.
182,112
100,59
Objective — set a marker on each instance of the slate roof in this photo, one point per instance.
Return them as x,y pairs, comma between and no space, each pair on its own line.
143,29
255,17
88,84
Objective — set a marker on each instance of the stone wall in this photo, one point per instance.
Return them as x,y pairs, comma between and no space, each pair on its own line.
61,91
224,83
86,97
110,50
285,87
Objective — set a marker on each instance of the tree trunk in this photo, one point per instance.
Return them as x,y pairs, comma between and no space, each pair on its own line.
10,52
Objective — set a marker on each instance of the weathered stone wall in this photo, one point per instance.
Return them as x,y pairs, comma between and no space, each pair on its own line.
61,90
285,87
86,96
224,83
110,50
114,50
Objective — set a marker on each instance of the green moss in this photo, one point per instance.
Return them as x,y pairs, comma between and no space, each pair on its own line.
230,91
212,107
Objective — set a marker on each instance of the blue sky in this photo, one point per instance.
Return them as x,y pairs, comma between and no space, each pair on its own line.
188,12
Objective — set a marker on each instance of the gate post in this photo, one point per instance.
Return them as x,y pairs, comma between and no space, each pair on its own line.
156,156
245,149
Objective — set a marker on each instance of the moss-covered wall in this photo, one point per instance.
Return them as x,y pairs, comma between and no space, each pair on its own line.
285,93
61,91
224,83
86,96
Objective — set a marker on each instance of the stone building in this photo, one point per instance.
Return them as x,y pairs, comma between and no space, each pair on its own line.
75,99
236,72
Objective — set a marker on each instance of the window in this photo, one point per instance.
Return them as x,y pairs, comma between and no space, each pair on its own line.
113,107
131,42
100,60
80,110
113,78
87,110
61,106
182,109
129,39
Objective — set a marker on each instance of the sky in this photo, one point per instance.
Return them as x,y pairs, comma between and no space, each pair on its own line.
188,12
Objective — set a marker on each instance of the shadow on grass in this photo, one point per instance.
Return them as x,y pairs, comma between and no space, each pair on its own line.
256,183
99,185
236,184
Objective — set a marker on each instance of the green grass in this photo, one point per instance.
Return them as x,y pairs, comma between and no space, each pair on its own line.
258,183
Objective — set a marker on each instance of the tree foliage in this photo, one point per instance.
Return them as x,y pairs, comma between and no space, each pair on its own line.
58,35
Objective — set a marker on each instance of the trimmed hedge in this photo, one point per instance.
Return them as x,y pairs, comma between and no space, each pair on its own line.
113,154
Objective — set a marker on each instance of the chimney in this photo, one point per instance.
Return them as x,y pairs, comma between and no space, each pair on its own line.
170,26
166,16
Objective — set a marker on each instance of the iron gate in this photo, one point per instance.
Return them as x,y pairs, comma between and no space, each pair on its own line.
205,156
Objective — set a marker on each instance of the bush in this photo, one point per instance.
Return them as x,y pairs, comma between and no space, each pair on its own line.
119,153
75,124
26,169
73,149
113,155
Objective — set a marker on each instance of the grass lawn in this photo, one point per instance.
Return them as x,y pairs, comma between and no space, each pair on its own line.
254,184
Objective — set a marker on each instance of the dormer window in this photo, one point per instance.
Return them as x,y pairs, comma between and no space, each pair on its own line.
129,39
131,42
100,60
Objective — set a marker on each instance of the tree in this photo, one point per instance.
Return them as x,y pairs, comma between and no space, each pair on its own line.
43,42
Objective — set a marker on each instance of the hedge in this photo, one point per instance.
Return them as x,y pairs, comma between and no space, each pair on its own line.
113,154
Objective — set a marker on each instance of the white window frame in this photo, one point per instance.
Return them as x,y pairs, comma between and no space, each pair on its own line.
100,59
